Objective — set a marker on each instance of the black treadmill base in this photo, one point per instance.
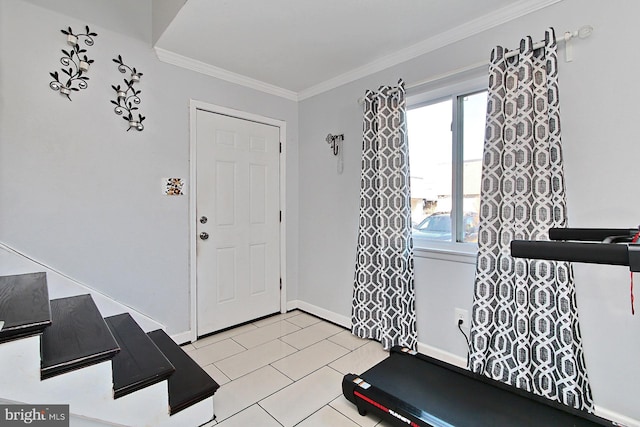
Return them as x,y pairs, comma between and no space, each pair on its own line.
411,389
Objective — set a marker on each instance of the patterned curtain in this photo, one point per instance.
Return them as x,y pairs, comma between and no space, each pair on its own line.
525,329
383,295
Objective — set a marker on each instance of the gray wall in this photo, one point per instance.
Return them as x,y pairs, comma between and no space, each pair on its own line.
599,108
81,194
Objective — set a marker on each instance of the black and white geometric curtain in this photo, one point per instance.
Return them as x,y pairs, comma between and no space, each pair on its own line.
383,296
525,329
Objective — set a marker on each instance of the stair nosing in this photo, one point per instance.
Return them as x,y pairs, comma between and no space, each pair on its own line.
197,399
130,344
95,356
10,332
19,327
132,388
207,391
21,331
49,368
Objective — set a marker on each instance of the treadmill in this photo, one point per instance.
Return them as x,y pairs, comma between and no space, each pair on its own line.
412,389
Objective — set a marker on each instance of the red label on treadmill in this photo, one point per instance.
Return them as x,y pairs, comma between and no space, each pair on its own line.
385,409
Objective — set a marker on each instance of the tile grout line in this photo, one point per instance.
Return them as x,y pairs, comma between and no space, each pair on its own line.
283,357
244,332
279,339
282,388
315,370
291,380
261,399
260,367
245,348
309,416
269,413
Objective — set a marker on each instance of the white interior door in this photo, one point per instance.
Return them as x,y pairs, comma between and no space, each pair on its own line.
238,221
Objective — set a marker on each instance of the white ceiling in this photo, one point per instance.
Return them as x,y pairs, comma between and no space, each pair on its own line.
303,47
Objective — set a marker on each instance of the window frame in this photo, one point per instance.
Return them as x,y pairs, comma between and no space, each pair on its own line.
453,250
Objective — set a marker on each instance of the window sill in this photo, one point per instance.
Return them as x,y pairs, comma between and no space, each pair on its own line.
446,251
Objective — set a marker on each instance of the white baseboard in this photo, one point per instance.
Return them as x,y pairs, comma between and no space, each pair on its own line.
431,351
345,321
461,362
292,305
182,337
426,349
445,356
617,418
323,313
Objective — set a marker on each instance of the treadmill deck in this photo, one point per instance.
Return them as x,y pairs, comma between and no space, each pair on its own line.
427,392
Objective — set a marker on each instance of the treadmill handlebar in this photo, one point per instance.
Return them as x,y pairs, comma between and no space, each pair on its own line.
592,234
593,253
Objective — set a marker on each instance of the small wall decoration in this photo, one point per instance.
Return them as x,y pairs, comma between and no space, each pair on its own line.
334,143
75,64
173,186
127,97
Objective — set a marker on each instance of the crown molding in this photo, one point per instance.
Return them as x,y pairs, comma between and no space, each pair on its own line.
453,35
222,74
476,26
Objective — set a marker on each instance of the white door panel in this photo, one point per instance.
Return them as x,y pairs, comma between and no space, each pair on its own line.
238,266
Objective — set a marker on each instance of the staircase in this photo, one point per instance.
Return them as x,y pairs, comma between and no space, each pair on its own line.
108,370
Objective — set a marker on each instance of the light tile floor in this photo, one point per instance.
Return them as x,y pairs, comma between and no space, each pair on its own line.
284,371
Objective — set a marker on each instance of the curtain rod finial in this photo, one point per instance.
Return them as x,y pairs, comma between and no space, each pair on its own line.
585,31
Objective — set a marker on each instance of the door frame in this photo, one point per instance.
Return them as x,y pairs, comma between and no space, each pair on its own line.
195,105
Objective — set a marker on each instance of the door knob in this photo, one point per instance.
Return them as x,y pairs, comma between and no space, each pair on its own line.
203,220
204,235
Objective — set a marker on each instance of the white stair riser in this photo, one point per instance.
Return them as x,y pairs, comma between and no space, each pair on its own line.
194,415
19,363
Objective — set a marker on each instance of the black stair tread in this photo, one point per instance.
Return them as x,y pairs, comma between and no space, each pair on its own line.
24,305
77,337
140,363
189,384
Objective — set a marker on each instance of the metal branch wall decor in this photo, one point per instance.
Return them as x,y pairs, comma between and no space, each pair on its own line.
75,64
127,97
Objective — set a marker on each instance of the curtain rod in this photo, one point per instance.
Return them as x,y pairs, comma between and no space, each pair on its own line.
582,32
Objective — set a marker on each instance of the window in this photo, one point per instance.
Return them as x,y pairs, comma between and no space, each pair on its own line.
446,138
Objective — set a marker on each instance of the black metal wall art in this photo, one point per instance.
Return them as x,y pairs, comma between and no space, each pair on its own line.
75,64
127,97
333,141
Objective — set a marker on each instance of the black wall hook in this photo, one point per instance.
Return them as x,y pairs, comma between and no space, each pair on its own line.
333,140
